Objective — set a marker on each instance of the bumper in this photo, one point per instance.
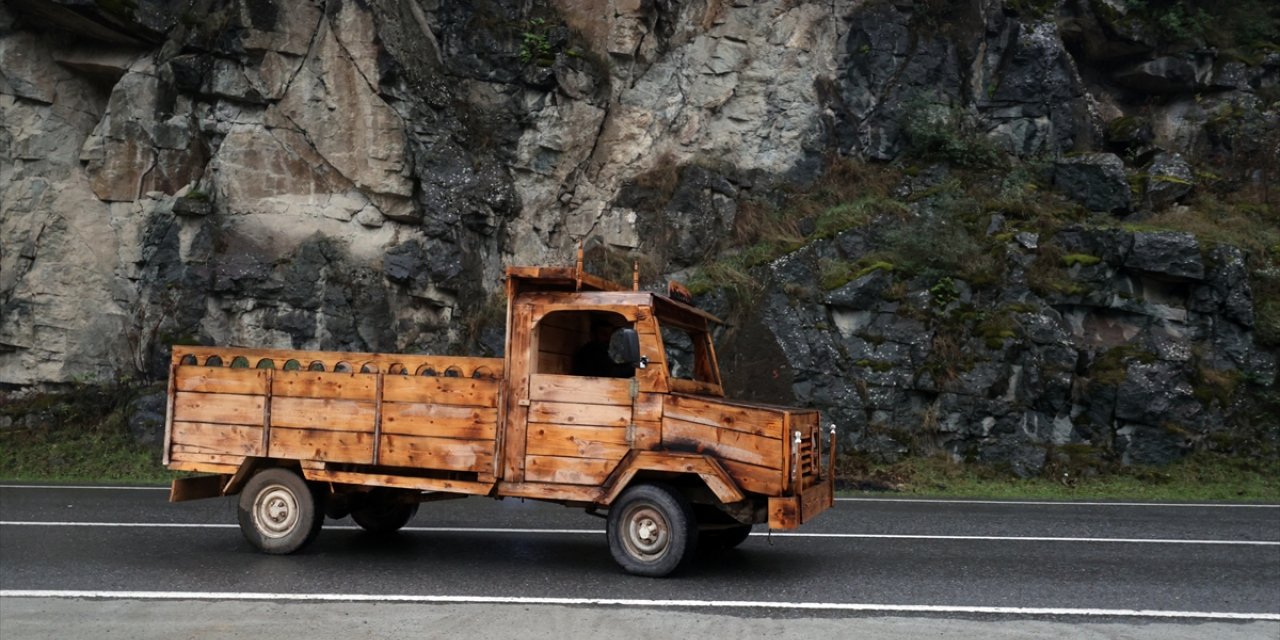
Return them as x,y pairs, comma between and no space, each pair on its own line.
789,512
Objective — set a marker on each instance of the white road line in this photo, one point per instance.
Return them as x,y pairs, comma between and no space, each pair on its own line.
1066,503
631,602
873,536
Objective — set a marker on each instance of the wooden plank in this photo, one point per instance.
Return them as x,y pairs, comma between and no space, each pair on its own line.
437,453
204,437
784,513
222,408
580,414
714,475
648,407
556,492
329,446
208,458
323,413
723,443
752,478
318,384
382,362
695,387
221,380
577,442
400,482
517,394
439,420
563,470
646,435
470,392
203,467
761,422
580,389
183,489
815,500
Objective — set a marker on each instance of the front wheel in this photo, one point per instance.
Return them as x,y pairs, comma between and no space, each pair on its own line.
651,530
278,512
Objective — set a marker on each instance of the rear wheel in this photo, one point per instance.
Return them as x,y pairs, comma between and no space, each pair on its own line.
651,530
384,516
278,512
723,539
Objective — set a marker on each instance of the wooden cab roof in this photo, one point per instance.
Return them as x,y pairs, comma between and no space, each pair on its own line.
530,279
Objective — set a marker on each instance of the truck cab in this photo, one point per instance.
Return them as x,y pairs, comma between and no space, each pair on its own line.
608,398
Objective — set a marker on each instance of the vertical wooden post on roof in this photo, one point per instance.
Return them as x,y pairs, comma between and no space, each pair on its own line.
577,272
635,275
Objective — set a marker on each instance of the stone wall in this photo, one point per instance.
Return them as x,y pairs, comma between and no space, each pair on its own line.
354,175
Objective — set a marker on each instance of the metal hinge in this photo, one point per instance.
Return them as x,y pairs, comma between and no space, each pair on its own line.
631,433
635,388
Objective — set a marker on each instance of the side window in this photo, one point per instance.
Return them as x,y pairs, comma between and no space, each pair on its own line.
679,351
576,343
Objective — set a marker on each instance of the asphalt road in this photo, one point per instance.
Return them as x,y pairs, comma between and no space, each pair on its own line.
946,565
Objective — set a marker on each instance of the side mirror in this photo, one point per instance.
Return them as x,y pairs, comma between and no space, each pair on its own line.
624,348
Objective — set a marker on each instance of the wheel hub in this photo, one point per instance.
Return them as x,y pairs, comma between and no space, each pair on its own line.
647,532
276,511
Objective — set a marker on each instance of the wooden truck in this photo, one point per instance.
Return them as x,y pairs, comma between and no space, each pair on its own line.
646,437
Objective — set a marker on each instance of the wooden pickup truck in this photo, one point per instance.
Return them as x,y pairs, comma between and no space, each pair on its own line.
608,399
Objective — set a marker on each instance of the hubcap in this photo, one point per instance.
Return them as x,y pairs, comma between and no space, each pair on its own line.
647,533
276,511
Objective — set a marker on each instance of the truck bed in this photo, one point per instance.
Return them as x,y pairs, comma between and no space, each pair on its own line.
403,414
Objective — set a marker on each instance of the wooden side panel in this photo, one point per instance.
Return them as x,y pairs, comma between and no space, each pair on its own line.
580,414
205,437
754,479
314,384
313,444
563,470
760,422
437,453
220,380
723,443
470,392
439,420
218,408
577,442
580,390
322,413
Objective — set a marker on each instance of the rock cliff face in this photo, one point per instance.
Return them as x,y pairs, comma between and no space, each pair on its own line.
353,175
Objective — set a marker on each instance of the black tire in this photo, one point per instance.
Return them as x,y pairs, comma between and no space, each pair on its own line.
383,516
723,539
279,513
651,530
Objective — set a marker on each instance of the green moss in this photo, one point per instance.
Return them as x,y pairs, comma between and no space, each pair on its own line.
1084,259
1109,368
879,366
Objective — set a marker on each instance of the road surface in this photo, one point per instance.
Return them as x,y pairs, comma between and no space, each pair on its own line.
75,562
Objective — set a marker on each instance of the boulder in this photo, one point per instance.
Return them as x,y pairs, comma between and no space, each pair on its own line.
1169,179
1095,180
1170,254
1186,73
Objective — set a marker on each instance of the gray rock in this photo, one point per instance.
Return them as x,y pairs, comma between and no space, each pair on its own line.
1169,179
146,418
1169,254
1184,73
1096,180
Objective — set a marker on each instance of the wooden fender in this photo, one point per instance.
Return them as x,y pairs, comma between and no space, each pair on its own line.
706,467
